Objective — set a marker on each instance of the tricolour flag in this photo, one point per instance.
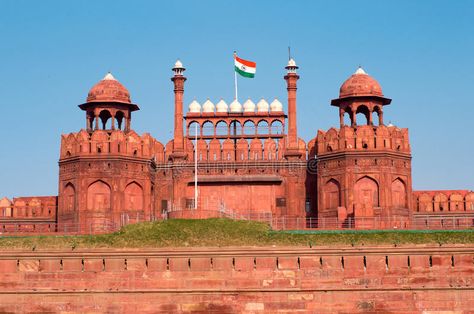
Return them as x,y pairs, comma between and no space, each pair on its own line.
244,67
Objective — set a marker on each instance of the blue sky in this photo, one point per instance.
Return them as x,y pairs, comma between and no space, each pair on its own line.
53,52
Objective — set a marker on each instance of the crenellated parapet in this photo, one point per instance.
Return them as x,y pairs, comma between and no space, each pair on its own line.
443,202
102,143
363,138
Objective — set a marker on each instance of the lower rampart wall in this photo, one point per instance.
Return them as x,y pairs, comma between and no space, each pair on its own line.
415,279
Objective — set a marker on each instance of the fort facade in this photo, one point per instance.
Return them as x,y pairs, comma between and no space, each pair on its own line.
243,160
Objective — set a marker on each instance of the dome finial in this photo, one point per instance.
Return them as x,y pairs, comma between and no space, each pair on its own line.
360,70
178,68
109,76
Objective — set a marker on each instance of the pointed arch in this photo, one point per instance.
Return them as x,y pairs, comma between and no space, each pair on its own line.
235,128
133,196
119,117
366,195
332,194
399,194
208,128
425,202
249,128
440,202
69,198
98,196
469,201
263,127
276,127
363,110
456,202
222,128
105,117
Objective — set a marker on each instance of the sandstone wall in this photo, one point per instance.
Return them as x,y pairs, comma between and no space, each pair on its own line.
322,280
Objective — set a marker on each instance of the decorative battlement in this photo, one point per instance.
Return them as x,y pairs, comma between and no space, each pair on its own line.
363,138
107,143
443,201
32,207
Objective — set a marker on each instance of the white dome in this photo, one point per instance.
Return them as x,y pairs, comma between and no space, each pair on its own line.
221,106
178,64
208,106
249,106
235,106
276,105
291,63
109,77
262,105
194,106
360,71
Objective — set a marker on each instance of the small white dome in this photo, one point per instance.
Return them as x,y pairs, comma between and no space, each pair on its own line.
360,71
291,63
276,105
194,106
221,106
208,106
109,77
262,105
249,106
178,64
235,106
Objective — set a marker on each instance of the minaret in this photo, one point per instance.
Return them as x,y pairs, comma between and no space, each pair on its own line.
291,79
178,80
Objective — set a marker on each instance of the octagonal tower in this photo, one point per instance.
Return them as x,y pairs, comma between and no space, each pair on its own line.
364,167
106,170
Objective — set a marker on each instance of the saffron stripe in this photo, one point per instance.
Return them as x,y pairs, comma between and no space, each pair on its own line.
245,62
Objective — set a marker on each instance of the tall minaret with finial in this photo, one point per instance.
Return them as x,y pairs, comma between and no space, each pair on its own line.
178,80
291,79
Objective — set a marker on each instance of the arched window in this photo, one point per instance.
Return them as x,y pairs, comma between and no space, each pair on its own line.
69,198
366,192
98,196
440,202
208,128
348,117
235,128
133,197
119,117
376,115
90,120
249,127
194,127
361,113
276,127
262,127
331,194
399,194
222,128
105,117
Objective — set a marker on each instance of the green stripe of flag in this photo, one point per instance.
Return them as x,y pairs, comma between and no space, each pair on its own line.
244,74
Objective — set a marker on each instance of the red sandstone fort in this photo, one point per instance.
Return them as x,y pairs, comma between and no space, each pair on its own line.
250,163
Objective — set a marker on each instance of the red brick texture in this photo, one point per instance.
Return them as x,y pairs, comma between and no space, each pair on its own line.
345,280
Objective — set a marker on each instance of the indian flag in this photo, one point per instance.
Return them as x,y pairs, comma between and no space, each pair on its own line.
244,67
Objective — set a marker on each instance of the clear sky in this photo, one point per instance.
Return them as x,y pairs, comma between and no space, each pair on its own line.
53,52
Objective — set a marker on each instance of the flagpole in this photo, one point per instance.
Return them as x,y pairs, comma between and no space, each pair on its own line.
195,167
235,79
